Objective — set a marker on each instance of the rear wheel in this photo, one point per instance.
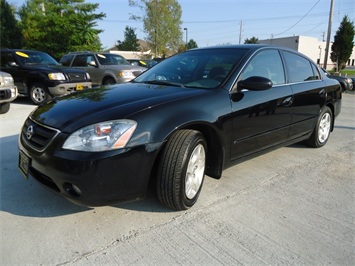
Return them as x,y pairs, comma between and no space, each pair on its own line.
322,130
39,94
181,170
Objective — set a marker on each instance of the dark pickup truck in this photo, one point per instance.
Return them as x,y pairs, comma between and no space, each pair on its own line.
40,76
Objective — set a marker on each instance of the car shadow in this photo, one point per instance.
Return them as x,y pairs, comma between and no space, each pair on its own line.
26,197
23,100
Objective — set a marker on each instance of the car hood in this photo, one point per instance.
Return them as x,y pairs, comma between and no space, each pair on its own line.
54,68
73,111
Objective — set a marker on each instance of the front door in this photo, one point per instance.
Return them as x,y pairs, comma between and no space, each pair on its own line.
261,119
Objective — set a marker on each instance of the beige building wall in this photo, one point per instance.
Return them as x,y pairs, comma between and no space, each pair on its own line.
311,47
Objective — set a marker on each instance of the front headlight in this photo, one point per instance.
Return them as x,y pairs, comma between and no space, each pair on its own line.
87,76
105,136
126,74
56,76
8,80
348,80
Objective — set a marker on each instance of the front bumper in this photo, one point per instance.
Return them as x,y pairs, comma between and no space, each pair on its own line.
65,88
90,179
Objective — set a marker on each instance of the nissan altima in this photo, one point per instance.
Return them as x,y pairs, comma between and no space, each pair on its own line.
194,114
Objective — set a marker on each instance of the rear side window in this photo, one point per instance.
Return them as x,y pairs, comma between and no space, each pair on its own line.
65,60
80,61
299,68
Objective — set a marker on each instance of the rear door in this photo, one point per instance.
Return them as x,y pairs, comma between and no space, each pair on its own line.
309,93
261,119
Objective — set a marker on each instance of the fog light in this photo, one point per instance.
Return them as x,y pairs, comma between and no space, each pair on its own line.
77,190
72,190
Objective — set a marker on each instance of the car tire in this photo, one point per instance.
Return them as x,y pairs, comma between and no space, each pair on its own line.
39,94
4,108
108,81
181,170
322,129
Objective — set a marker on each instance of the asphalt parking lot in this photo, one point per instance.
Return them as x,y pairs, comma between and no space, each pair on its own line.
292,206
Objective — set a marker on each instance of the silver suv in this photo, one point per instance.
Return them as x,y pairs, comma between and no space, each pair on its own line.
104,68
8,91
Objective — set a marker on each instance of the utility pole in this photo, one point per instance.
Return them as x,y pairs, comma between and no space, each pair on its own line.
328,34
240,31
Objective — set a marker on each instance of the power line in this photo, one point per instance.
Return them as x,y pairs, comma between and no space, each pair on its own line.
298,20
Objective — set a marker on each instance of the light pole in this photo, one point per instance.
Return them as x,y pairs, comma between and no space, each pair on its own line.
185,29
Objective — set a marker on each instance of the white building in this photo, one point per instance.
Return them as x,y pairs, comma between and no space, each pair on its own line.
311,47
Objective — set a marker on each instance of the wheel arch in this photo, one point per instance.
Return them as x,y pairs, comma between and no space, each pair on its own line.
214,153
332,109
108,77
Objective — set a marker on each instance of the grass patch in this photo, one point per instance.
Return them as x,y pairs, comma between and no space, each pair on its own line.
345,72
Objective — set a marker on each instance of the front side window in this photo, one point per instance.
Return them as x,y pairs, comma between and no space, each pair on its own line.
299,68
266,64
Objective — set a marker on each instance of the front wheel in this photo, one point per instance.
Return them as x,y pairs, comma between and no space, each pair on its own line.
39,94
181,170
4,108
108,81
323,128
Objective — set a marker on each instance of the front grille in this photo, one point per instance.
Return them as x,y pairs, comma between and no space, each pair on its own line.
77,76
5,94
37,136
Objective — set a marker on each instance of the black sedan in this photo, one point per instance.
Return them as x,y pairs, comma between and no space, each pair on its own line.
195,113
345,82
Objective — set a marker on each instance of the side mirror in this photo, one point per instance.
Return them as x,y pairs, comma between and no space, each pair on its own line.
13,64
255,83
92,63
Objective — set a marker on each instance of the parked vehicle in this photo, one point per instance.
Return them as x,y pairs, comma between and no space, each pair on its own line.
39,76
8,91
198,112
345,82
104,68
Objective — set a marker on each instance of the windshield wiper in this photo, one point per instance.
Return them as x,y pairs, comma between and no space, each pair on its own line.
164,82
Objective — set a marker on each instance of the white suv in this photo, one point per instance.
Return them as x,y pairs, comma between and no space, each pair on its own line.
8,91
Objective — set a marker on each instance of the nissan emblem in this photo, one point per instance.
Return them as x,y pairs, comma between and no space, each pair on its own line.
29,132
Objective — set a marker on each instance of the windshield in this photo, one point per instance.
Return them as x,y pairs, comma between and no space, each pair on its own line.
35,58
205,68
112,59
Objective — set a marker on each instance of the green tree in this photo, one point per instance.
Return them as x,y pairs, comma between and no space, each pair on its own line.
130,42
162,24
191,44
10,33
343,43
251,40
60,26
